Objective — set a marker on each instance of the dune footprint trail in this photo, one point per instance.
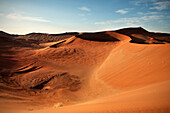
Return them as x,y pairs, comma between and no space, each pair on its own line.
106,72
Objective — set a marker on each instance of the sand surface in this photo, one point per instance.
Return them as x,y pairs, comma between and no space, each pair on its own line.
122,71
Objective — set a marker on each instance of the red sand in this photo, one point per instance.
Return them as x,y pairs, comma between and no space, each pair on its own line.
102,72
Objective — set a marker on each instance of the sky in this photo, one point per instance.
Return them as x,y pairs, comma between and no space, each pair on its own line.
57,16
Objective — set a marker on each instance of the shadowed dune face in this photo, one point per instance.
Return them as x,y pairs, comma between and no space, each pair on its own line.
142,36
6,53
102,36
86,70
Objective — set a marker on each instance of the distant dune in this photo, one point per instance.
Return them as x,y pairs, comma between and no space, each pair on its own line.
122,71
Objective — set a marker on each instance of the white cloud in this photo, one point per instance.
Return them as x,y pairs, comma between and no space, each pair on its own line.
161,5
84,8
21,17
132,20
121,11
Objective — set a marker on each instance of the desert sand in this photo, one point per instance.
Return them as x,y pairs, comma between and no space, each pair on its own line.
122,71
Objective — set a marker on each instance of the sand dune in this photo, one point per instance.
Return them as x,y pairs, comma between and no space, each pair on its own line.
112,71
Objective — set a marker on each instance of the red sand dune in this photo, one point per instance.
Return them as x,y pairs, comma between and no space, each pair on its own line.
106,72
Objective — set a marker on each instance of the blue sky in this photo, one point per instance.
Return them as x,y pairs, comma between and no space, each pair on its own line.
56,16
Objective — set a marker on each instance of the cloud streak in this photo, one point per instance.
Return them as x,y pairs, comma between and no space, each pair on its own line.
1,14
84,8
26,18
132,20
141,2
124,11
148,13
161,5
121,11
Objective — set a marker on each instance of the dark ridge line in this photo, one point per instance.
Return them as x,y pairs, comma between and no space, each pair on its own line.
104,38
